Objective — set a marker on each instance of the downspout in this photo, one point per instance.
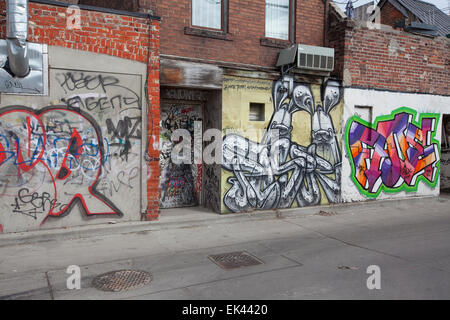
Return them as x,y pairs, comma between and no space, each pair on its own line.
16,37
326,21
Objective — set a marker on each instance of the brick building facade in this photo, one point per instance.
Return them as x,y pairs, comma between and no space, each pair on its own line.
220,81
389,59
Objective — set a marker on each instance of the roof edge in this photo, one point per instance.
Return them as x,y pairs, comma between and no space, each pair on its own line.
100,9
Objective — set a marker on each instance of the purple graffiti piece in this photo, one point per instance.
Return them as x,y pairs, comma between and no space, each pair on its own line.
376,142
411,133
356,132
427,130
400,123
389,176
398,147
413,156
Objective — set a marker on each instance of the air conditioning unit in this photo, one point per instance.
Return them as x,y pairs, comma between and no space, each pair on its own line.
308,58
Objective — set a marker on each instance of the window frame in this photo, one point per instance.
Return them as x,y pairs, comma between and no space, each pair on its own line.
291,24
223,18
262,115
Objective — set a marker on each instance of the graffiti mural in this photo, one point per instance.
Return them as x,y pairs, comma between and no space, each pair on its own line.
395,153
81,151
277,172
40,151
180,184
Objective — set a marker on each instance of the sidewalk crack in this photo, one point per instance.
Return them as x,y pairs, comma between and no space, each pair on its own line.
50,288
366,248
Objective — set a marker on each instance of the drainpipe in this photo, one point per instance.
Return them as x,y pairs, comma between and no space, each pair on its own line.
16,37
326,21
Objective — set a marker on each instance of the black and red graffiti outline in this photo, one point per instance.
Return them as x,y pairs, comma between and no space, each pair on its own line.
11,153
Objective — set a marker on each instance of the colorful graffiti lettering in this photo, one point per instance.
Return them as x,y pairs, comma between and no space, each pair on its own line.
52,144
395,153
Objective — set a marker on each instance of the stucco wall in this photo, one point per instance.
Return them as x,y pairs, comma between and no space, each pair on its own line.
75,157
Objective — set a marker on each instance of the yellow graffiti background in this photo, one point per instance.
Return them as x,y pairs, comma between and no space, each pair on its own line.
239,92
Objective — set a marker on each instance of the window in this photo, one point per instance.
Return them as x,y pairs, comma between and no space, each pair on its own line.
364,112
277,19
257,112
207,13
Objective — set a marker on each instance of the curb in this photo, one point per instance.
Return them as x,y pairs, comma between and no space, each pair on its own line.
81,232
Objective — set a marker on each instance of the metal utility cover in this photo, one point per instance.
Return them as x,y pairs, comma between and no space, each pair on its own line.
287,56
235,260
124,280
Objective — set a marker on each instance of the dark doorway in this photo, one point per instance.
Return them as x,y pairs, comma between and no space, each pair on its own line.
181,184
445,155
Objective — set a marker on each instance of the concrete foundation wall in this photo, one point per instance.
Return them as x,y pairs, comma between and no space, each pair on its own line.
75,157
392,144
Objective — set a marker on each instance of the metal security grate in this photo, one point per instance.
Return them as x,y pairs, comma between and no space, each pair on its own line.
124,280
235,260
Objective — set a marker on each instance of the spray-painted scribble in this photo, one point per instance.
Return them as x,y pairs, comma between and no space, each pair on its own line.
211,189
180,183
115,103
277,171
40,151
121,134
110,94
394,153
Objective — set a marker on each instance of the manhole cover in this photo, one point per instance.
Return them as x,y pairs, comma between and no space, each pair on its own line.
123,280
235,260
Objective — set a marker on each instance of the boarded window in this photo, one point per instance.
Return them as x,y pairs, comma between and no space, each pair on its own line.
364,113
257,112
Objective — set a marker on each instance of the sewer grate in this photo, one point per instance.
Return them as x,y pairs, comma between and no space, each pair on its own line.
123,280
235,260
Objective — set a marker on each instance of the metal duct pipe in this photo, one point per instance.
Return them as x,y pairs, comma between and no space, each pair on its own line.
16,37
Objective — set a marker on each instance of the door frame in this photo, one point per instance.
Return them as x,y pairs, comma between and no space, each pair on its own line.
201,105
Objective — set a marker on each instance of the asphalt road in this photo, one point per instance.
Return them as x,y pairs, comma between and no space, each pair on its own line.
304,255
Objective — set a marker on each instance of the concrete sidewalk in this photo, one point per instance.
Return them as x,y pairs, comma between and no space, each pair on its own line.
305,255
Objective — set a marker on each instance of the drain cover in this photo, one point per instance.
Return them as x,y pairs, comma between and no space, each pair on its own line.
124,280
235,260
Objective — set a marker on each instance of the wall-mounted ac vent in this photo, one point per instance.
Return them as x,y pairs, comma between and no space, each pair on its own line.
306,57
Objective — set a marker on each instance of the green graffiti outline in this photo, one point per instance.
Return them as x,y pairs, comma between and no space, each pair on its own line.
373,126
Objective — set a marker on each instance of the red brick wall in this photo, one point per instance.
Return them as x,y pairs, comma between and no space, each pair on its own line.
337,39
246,27
127,37
390,15
310,22
390,59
